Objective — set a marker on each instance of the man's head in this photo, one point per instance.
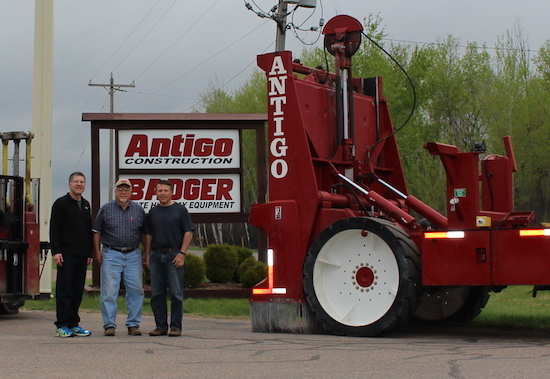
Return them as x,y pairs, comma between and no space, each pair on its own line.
77,184
164,190
123,190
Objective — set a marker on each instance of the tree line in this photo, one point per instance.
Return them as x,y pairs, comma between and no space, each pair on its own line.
465,93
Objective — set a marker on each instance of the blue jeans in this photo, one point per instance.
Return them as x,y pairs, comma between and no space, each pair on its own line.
164,275
128,267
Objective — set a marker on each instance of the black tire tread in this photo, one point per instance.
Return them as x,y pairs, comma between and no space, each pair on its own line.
398,314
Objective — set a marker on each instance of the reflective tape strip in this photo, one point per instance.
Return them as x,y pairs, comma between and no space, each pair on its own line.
534,232
270,271
445,235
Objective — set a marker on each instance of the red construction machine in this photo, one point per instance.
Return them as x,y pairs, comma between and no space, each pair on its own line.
20,248
345,253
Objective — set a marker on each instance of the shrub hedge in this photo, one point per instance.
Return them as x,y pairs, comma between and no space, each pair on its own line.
221,262
195,270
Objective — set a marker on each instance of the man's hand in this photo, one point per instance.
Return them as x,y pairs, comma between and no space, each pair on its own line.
58,258
179,260
99,257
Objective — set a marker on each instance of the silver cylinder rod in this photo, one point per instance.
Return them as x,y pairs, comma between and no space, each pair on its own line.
391,188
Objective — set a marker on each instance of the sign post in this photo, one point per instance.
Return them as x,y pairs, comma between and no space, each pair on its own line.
200,153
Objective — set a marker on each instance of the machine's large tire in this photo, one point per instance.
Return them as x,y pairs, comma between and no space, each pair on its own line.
453,304
362,277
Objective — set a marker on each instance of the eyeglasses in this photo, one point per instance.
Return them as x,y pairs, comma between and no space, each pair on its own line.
123,189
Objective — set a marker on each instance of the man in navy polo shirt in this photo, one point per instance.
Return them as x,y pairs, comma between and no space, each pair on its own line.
169,234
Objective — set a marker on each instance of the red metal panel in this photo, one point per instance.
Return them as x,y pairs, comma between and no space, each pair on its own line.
32,258
497,184
291,174
281,222
521,260
3,276
464,261
464,186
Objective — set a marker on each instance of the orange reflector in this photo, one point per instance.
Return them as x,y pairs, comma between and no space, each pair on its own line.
444,235
270,289
534,232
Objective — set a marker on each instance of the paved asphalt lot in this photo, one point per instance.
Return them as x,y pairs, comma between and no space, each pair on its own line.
211,348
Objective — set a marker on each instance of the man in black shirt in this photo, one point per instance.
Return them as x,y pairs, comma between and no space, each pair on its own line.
169,232
72,246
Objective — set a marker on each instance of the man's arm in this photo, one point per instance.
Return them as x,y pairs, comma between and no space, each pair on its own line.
187,239
55,232
97,247
179,260
147,245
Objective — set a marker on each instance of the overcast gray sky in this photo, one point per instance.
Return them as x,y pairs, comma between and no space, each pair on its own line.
173,49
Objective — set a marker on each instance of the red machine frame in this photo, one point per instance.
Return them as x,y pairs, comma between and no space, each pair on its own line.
336,181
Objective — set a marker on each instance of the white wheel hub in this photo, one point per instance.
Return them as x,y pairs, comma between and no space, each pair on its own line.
356,277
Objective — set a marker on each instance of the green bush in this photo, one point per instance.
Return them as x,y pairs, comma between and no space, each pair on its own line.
244,253
195,270
221,262
251,272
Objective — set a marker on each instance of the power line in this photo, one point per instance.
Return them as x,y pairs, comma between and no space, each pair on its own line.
127,38
460,45
201,63
146,34
230,80
160,95
180,37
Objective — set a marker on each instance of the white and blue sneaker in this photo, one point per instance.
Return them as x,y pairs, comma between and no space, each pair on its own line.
63,332
80,331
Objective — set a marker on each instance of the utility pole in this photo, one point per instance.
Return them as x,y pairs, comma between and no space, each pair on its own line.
279,13
280,38
112,87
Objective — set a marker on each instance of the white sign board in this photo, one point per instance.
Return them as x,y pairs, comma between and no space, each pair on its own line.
200,193
171,149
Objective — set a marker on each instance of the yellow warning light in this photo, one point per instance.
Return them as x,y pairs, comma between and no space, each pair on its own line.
483,221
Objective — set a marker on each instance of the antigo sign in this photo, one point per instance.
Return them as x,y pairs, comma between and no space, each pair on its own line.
178,151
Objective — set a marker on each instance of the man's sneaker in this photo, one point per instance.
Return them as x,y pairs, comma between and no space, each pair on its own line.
134,331
158,332
174,332
64,332
110,331
80,331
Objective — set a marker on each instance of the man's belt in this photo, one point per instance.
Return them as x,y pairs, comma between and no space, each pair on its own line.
165,249
122,249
